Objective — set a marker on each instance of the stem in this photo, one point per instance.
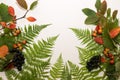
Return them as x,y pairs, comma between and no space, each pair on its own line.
23,15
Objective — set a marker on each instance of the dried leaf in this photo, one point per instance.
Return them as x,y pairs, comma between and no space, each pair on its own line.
33,5
114,14
103,7
11,11
22,3
31,19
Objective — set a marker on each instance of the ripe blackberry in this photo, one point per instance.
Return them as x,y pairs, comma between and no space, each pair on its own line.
93,63
18,60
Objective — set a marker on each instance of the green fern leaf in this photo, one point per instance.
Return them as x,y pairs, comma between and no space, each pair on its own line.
30,32
57,69
66,73
37,61
87,40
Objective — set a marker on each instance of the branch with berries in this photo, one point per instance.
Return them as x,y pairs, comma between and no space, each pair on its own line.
11,50
107,34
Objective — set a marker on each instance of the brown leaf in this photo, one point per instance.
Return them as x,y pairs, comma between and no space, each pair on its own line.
22,3
103,7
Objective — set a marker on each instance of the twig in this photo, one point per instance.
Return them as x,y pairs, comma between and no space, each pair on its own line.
23,15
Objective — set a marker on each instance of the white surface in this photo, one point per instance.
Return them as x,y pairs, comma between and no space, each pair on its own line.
62,14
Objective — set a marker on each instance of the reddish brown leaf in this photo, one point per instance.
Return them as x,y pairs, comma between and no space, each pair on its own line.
31,19
12,26
11,11
22,3
98,40
114,32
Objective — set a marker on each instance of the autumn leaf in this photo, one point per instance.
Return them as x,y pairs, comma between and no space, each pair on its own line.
22,3
3,51
31,19
11,11
98,40
114,32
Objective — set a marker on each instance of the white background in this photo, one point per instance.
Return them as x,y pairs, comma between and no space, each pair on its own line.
62,14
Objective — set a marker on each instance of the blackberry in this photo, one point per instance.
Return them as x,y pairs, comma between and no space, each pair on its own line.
18,60
93,63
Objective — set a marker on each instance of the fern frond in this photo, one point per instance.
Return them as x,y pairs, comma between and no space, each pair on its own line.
82,73
85,55
87,39
57,69
1,78
10,74
30,32
66,75
37,61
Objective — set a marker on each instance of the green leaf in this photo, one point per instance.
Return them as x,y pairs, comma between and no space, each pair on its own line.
108,12
110,69
33,5
89,12
98,4
4,15
108,43
91,20
22,3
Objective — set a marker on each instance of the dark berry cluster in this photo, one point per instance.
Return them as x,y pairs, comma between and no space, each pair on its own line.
93,63
18,59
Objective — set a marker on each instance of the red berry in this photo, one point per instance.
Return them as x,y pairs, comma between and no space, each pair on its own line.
112,62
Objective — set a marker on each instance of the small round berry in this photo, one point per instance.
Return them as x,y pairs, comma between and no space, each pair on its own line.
18,31
24,42
15,46
19,44
112,62
110,55
20,48
15,34
103,60
94,34
100,31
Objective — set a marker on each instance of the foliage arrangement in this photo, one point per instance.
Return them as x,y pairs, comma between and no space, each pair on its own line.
100,59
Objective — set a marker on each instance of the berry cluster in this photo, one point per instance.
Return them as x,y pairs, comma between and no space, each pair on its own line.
109,55
93,63
18,59
16,32
97,35
19,45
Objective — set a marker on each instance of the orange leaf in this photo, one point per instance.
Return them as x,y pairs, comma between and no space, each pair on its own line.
3,24
31,19
114,32
11,11
3,51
